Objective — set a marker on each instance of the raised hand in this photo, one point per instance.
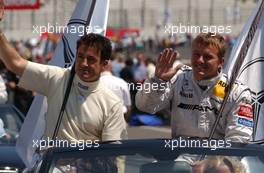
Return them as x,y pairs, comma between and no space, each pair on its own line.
2,11
164,68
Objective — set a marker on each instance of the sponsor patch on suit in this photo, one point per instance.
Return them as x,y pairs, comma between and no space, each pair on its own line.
244,122
219,89
246,110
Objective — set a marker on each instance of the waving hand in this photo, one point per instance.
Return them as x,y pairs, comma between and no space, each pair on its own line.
164,69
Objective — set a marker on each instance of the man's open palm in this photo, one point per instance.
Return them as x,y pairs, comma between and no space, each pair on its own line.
164,69
2,11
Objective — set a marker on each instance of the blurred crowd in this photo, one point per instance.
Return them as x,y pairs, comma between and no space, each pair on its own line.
37,50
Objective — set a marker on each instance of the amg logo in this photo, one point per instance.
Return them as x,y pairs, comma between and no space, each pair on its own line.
198,107
188,95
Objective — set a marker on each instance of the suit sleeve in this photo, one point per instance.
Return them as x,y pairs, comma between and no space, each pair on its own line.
240,119
41,78
154,96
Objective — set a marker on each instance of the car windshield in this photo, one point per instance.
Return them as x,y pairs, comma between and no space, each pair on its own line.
138,163
102,164
156,158
10,124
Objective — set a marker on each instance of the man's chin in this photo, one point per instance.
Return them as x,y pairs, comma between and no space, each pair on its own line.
199,77
88,79
85,79
201,73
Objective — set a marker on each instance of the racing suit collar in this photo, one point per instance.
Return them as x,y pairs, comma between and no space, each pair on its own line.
85,87
205,84
106,73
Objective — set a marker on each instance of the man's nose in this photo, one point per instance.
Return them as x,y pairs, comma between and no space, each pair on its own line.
200,59
84,62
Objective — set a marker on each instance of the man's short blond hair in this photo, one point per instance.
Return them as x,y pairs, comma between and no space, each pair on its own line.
212,163
211,39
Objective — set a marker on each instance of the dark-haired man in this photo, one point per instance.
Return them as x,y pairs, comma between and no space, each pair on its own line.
92,112
195,94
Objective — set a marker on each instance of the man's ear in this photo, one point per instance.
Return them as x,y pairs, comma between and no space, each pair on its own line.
222,61
221,64
105,62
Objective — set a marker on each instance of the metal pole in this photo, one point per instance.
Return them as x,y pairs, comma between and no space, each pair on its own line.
197,13
33,19
121,14
189,11
63,13
166,11
11,20
54,12
143,8
211,12
235,11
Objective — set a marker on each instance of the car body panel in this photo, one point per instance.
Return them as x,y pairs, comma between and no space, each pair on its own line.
143,155
13,119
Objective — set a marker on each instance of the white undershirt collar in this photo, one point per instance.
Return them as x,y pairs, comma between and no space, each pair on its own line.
85,87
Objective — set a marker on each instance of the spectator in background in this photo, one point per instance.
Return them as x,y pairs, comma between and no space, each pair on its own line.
150,67
3,133
140,69
18,96
127,72
3,92
219,164
128,75
118,86
117,64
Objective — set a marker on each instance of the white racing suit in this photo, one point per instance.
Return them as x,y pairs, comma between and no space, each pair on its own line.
193,110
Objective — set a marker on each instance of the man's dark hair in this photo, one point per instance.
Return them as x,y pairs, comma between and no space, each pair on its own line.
99,42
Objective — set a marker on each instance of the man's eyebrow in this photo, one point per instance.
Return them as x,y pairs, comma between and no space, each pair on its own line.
88,56
80,53
195,50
